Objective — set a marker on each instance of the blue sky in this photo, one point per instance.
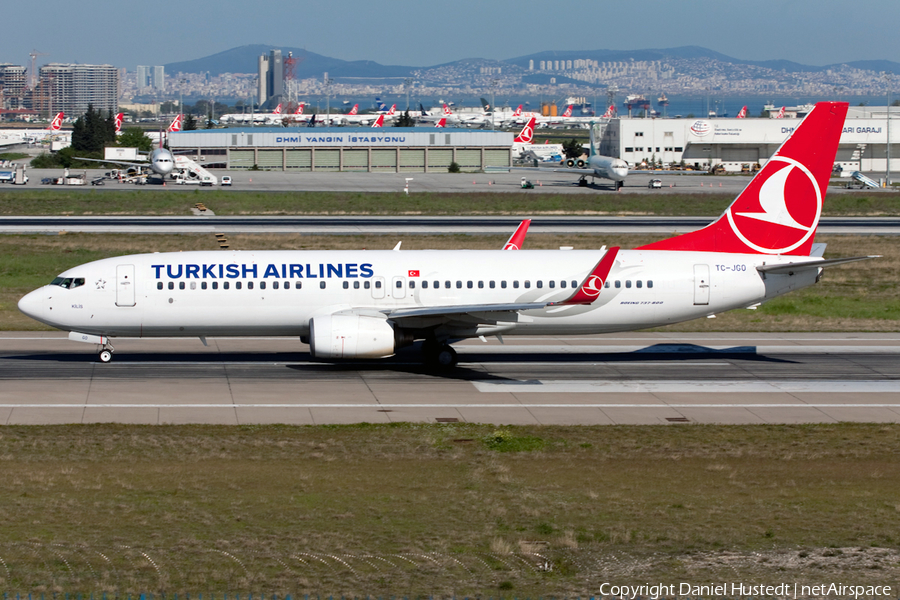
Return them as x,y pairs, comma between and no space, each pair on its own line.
420,33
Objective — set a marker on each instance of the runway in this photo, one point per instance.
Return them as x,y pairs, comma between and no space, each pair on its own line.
406,225
641,378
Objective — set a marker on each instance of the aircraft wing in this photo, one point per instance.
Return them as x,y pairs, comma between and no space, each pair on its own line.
574,170
115,162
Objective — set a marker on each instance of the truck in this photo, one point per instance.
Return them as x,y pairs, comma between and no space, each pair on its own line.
17,176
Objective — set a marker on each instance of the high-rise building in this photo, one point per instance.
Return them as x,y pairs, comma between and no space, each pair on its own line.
151,77
271,77
70,88
13,84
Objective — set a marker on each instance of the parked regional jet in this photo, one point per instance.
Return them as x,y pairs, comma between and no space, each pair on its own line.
367,304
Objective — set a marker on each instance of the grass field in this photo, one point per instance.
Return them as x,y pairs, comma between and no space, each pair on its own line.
859,297
227,202
444,509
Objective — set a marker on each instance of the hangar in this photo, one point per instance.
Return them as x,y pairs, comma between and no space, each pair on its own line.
735,142
387,149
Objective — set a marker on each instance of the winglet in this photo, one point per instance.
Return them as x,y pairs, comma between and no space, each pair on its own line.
516,240
593,283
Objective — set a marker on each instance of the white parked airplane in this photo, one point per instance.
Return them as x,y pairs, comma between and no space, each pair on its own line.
159,161
367,304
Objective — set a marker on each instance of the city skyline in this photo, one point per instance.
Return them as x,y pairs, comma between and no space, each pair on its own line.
406,33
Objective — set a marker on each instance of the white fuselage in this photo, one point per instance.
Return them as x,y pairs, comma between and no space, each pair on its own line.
278,292
608,167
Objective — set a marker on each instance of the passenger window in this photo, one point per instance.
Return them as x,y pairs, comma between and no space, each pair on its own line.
436,284
480,285
606,285
552,284
399,284
424,285
366,284
491,284
202,285
193,285
215,285
180,285
159,285
628,283
226,285
459,285
346,285
321,285
638,283
527,284
447,285
540,284
649,283
171,285
618,284
355,285
503,284
412,285
516,284
262,285
274,285
562,284
377,285
574,284
250,285
237,285
298,285
469,284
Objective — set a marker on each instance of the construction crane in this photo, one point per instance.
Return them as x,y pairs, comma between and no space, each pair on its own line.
33,74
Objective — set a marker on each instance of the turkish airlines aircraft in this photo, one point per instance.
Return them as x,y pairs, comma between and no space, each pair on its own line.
120,118
780,114
367,304
742,114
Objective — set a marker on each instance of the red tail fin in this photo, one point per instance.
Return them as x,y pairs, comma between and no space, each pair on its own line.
354,110
447,111
299,110
777,213
119,119
379,122
56,123
441,123
517,239
277,110
518,112
568,112
176,123
527,134
742,114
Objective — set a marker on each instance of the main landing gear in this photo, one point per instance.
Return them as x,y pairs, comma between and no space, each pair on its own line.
106,352
439,355
582,182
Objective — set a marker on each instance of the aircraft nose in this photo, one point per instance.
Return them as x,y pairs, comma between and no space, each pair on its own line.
32,304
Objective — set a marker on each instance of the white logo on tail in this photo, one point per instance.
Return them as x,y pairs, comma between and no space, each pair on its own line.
518,112
354,110
56,124
119,118
527,135
780,114
176,123
775,211
568,112
277,110
742,114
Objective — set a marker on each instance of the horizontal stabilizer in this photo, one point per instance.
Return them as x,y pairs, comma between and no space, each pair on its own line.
812,264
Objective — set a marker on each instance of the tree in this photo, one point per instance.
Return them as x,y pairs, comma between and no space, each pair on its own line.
190,123
134,137
572,148
91,132
405,120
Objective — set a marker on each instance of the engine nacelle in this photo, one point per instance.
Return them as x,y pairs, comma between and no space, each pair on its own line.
350,336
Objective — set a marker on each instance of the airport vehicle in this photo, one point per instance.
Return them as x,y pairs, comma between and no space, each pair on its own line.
367,304
226,180
655,184
15,176
597,165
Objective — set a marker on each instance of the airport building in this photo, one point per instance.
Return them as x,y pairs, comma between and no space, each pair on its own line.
733,143
70,88
387,149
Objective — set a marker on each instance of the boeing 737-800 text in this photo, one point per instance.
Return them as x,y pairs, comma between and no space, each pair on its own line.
367,304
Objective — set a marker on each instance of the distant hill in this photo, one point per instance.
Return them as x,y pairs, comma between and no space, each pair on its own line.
244,59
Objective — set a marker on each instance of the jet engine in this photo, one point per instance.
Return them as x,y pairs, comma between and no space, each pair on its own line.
351,336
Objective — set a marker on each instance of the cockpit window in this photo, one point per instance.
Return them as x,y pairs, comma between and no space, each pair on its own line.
68,282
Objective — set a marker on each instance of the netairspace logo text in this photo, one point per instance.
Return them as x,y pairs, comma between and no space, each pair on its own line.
736,590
